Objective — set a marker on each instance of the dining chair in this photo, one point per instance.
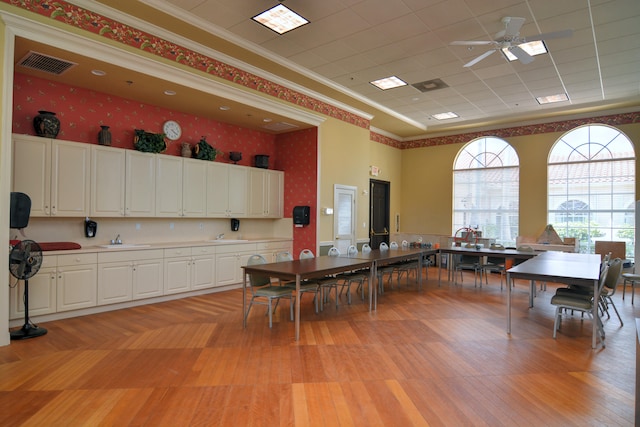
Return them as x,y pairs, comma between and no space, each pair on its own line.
310,286
366,248
264,293
494,264
352,250
568,302
306,254
404,244
393,245
383,246
467,262
333,251
632,279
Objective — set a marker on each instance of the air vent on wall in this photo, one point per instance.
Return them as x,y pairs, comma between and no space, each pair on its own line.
429,85
48,64
279,126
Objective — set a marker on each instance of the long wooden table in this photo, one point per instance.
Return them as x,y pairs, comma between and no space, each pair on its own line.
302,270
570,268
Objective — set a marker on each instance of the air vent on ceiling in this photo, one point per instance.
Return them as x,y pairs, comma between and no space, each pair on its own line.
429,85
48,64
279,126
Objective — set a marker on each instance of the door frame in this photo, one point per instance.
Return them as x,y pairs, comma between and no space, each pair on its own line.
354,217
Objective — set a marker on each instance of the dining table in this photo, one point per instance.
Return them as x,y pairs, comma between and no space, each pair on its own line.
561,267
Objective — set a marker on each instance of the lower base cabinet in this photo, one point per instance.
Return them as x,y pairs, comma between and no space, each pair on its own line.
229,262
187,269
42,291
128,275
77,281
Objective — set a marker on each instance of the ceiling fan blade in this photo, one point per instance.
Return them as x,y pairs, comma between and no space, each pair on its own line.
479,58
547,36
519,53
512,26
471,43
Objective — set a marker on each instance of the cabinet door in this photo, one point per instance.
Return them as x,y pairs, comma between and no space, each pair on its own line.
70,178
77,287
168,186
31,172
140,184
275,190
148,278
177,275
218,188
194,187
226,269
203,272
107,181
238,190
114,282
42,294
257,193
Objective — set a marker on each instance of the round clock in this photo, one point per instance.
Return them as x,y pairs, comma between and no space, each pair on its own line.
172,129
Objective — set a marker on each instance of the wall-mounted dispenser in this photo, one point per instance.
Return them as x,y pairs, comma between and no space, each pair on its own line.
301,215
90,228
235,224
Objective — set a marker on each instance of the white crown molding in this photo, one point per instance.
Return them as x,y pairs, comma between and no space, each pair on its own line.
49,35
165,34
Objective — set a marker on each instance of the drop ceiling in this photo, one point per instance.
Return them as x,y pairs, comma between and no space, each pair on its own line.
349,43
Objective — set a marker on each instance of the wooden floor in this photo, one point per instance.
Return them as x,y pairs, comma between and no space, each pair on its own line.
439,357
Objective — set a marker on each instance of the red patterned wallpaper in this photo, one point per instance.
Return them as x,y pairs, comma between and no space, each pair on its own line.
298,155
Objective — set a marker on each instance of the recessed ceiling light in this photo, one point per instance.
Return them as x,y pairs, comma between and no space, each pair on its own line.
445,116
169,92
98,73
532,48
280,19
225,108
549,99
388,83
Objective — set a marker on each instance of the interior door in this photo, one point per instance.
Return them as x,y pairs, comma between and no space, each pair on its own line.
344,217
379,212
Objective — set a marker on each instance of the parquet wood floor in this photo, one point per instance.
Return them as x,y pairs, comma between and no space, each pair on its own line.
440,357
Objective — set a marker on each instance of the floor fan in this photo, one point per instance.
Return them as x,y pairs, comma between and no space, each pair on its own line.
25,260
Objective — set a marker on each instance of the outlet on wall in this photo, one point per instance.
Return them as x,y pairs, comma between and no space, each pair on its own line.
201,226
170,226
137,226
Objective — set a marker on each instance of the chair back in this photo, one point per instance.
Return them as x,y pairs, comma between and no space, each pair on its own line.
603,278
615,269
404,244
258,279
384,246
525,249
393,245
366,248
284,256
306,254
334,251
496,247
352,250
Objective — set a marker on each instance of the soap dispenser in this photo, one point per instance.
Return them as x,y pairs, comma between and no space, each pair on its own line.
90,228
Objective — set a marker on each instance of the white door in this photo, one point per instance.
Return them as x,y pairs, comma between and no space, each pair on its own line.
344,216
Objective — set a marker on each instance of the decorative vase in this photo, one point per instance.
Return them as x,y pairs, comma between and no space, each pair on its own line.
235,156
104,136
186,149
46,124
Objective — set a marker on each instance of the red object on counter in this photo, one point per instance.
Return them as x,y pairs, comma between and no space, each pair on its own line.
52,246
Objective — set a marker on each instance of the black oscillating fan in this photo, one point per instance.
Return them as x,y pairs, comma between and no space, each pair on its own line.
25,260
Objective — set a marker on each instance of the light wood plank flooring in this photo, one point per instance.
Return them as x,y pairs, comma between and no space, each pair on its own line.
440,357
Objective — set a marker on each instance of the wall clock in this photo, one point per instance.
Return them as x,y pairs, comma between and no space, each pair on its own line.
172,129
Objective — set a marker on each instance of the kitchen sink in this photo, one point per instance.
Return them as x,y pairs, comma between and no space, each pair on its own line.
124,246
229,241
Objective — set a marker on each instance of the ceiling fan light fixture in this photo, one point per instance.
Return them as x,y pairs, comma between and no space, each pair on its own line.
388,83
550,99
533,48
280,19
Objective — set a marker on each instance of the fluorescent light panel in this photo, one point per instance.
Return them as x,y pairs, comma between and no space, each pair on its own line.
532,48
560,97
445,116
388,83
280,19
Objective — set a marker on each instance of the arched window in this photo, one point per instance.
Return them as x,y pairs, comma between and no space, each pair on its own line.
486,176
591,186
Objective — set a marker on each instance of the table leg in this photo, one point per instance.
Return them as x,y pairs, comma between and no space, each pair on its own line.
508,303
440,254
244,299
297,314
595,315
373,287
532,291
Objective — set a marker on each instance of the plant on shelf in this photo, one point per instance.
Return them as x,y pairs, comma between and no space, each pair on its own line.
149,142
203,151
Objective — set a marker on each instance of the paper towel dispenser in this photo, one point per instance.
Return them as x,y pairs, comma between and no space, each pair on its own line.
301,215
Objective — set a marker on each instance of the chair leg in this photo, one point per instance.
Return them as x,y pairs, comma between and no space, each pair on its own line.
556,321
292,303
270,314
610,301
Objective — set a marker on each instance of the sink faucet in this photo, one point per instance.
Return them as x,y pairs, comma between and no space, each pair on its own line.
116,241
220,236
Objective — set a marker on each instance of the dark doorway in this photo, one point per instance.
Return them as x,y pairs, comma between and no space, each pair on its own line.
379,212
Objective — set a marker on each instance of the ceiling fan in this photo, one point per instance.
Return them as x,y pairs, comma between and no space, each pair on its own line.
509,38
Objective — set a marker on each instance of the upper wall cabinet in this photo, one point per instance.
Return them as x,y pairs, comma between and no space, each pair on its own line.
55,174
108,170
226,190
140,184
168,186
194,188
266,188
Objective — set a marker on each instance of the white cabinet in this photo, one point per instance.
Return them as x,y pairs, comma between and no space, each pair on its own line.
194,187
76,281
140,184
226,190
266,188
187,269
127,275
203,267
269,250
229,262
55,174
168,186
107,181
42,291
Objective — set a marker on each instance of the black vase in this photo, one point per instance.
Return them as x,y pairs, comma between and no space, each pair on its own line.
46,124
104,136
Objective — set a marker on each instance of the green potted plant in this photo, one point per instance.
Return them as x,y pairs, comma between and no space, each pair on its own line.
203,151
149,142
